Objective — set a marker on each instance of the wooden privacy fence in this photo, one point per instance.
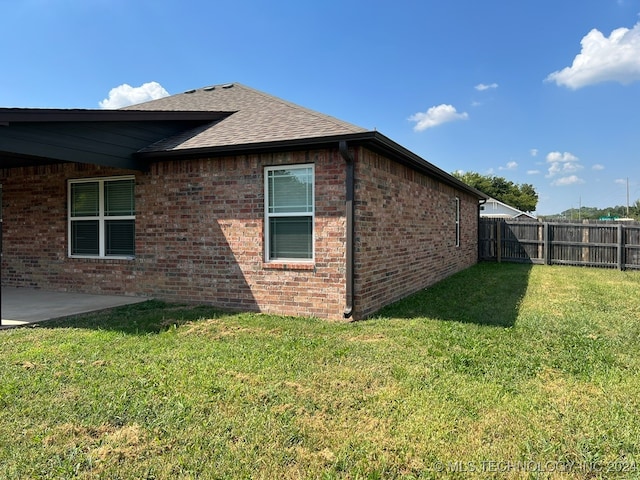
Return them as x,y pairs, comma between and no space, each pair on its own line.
550,243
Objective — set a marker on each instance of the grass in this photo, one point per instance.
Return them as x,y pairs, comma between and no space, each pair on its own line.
510,371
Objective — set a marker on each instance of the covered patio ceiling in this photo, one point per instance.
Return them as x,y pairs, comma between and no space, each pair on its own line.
112,138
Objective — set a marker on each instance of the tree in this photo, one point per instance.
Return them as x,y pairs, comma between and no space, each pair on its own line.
634,210
523,197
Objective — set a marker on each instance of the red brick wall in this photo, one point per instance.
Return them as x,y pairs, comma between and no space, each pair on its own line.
199,236
405,232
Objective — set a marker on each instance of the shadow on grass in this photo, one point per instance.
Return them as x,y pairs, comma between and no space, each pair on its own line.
143,318
485,294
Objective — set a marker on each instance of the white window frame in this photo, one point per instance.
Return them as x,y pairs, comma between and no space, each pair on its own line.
457,220
101,216
268,215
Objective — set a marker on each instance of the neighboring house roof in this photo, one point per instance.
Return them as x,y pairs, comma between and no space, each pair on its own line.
215,120
494,208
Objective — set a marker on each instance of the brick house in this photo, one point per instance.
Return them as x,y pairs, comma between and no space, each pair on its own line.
226,196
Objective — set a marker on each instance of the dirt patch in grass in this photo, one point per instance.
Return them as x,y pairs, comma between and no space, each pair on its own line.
217,329
102,447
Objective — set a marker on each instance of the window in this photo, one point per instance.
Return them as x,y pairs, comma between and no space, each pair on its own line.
457,222
289,212
102,217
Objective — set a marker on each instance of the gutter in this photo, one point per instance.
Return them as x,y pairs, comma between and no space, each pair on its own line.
349,184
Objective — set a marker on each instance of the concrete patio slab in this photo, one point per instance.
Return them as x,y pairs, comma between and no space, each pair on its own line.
22,306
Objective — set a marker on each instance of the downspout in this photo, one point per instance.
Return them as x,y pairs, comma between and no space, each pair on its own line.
349,184
480,203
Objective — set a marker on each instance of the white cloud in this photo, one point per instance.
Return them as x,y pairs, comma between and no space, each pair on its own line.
620,181
558,168
563,164
533,172
125,95
481,87
566,181
509,166
597,166
435,116
603,59
534,152
561,157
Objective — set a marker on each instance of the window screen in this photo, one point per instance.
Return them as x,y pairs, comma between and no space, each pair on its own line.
102,217
289,212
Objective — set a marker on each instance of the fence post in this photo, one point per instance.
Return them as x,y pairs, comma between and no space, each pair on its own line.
621,260
499,241
546,248
586,235
540,240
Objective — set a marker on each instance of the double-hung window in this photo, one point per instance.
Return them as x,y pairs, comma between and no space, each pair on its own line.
289,212
102,217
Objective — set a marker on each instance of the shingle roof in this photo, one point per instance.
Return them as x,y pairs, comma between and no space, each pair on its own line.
254,117
253,120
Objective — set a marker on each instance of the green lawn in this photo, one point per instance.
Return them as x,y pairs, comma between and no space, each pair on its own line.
513,370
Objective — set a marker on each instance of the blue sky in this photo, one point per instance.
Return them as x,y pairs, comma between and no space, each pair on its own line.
545,92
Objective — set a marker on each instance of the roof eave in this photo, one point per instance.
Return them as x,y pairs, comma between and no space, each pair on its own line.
406,156
371,139
247,148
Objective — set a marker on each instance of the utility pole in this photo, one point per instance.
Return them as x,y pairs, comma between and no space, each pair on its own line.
580,208
627,197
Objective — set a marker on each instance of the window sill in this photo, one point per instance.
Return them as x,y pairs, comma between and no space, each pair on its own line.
288,266
102,259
